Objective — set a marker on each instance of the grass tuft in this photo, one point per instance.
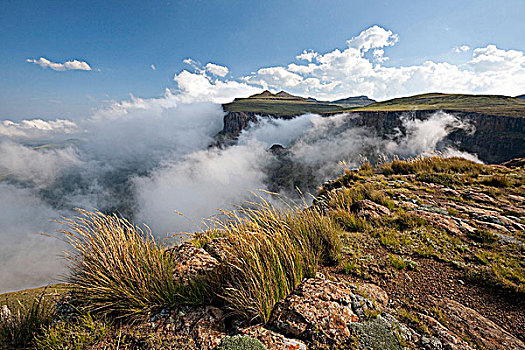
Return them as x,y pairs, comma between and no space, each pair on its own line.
17,330
78,335
117,268
269,252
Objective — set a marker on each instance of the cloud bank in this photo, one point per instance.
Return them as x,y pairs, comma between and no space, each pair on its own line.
361,69
60,67
148,157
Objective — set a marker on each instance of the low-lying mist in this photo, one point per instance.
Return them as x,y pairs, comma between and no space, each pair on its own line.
147,158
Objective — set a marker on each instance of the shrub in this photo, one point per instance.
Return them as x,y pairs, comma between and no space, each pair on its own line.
352,267
407,221
397,262
346,197
17,330
452,165
117,268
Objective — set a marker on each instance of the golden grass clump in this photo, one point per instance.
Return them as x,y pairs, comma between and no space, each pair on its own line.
121,270
434,164
116,267
269,252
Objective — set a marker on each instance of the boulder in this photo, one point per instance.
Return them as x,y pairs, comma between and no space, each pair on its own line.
204,325
327,313
216,248
479,329
273,340
375,293
448,339
370,210
192,262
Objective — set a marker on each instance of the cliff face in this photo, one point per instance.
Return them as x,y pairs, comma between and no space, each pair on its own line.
496,138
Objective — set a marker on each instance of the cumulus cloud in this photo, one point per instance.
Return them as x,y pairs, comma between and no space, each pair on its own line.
462,48
68,65
490,59
37,128
373,38
216,69
359,69
200,87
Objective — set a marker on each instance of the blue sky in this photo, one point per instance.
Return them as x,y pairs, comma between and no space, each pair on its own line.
120,40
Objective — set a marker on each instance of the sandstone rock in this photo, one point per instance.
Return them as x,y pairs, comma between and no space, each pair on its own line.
514,163
235,122
192,262
451,192
408,205
205,325
448,339
273,340
316,306
516,198
370,210
479,329
492,226
479,197
376,294
440,221
215,248
327,313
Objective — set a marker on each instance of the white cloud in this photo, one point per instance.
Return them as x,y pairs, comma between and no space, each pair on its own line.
492,59
307,56
462,48
359,70
200,87
215,69
40,167
373,38
68,65
36,128
153,67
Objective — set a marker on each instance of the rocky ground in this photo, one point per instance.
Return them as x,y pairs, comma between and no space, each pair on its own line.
433,257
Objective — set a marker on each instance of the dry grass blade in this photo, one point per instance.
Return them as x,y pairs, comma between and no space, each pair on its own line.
117,267
269,252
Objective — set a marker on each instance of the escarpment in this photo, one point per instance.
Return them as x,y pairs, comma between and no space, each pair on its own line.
494,138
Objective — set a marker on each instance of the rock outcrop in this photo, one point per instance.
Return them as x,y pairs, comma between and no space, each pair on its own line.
192,263
327,314
495,139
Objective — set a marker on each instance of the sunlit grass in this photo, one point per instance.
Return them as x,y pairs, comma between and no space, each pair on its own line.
116,267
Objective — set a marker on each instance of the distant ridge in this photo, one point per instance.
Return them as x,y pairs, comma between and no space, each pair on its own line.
286,104
487,104
357,100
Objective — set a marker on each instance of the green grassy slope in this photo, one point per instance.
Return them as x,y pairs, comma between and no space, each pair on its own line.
283,103
54,292
489,104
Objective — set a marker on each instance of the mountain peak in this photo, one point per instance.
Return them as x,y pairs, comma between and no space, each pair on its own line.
280,95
